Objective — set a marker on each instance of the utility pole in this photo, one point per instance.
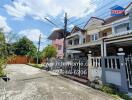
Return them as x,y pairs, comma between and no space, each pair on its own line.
65,32
38,48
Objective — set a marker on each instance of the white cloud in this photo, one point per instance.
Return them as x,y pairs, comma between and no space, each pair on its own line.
33,34
18,10
71,26
42,8
3,24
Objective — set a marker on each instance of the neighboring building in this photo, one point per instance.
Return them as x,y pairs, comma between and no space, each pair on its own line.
57,38
58,43
75,38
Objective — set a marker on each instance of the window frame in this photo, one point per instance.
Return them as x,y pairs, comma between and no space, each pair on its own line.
95,36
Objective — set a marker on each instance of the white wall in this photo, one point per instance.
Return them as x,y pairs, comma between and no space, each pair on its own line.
96,72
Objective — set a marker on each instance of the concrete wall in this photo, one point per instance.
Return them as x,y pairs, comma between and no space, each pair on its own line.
96,72
113,77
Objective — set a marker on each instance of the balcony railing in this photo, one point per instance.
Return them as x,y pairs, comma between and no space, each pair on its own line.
120,33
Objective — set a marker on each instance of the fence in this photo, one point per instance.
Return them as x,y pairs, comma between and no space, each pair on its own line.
76,67
20,60
112,70
128,61
115,70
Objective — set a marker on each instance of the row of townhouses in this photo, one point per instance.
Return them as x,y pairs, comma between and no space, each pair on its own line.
102,36
107,45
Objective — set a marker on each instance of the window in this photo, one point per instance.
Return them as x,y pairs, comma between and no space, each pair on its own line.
122,28
95,37
104,34
59,47
84,40
128,28
76,41
70,42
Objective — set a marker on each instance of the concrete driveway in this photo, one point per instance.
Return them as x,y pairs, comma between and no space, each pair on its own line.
28,83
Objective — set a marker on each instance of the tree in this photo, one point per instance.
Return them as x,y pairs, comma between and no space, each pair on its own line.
49,51
24,47
5,50
2,52
2,38
39,56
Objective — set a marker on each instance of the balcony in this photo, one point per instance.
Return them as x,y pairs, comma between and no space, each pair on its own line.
85,45
120,33
75,39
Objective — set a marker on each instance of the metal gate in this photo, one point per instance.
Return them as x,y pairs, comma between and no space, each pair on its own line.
76,67
80,67
129,70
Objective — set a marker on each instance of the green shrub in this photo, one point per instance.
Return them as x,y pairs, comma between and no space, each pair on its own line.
36,65
1,67
108,89
124,96
40,66
113,90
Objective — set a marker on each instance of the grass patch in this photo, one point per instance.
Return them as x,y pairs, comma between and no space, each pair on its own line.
113,91
40,66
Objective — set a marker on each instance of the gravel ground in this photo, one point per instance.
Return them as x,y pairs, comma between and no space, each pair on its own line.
29,83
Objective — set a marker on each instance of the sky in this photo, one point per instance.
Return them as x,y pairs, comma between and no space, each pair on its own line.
27,17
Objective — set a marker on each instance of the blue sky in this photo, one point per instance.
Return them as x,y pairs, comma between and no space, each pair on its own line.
26,17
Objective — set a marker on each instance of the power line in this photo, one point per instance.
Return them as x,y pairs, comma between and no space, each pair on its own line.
99,9
51,22
105,14
84,22
92,3
59,24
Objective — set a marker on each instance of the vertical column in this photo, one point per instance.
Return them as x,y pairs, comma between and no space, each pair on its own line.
102,48
89,66
103,70
124,84
105,49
